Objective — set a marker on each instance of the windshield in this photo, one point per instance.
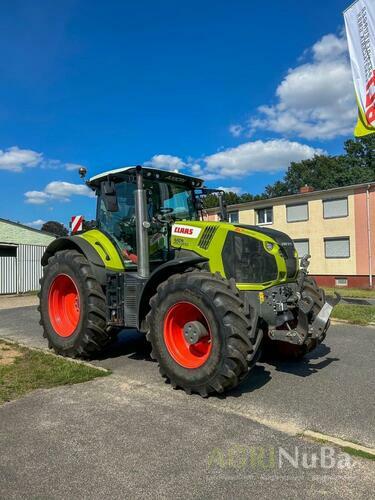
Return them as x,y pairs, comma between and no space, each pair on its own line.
173,197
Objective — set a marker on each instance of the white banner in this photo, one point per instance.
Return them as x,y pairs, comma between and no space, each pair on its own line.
360,30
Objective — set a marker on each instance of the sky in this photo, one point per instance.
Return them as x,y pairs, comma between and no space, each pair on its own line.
228,91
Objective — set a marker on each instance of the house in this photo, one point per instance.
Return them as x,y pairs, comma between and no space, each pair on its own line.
335,226
21,249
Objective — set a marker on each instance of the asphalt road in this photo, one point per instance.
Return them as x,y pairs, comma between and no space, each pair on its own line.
131,435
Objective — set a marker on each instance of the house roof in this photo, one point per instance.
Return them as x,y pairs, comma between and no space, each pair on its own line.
7,221
292,197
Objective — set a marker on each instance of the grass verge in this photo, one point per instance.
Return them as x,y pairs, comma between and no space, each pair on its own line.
358,453
352,448
358,293
358,315
22,370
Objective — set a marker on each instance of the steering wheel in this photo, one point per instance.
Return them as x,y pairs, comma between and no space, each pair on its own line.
164,211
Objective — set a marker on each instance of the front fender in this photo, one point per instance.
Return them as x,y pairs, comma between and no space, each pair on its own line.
162,273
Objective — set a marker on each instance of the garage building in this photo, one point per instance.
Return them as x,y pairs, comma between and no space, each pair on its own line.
21,248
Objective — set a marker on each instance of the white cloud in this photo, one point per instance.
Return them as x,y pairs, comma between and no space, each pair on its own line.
315,100
36,223
16,159
166,162
36,197
62,189
257,156
58,190
233,189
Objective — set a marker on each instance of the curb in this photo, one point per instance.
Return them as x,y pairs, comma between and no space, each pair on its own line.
335,321
50,353
318,436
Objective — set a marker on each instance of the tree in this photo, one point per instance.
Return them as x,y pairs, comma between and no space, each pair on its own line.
362,151
212,200
356,166
55,228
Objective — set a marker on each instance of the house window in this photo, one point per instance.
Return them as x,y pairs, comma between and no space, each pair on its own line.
295,213
302,247
337,248
335,208
341,281
265,215
233,217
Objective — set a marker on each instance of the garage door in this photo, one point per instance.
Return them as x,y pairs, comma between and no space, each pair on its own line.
8,269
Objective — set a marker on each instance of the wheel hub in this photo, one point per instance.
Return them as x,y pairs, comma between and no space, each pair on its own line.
194,331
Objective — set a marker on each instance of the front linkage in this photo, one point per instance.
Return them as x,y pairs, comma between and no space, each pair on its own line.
296,313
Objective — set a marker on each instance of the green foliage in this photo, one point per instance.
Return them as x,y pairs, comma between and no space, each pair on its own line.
55,228
211,200
356,166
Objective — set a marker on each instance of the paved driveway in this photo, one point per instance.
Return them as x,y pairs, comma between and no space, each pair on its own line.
132,435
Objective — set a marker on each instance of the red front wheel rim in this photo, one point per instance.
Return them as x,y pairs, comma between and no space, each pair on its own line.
64,305
185,354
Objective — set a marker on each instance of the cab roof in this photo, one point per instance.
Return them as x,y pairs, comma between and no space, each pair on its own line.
149,173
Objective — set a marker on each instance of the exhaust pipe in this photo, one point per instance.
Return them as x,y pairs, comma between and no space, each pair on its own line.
142,225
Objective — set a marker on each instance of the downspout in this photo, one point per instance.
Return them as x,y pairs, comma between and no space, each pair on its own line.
369,236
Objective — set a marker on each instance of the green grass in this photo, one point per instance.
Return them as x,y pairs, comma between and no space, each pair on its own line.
358,315
347,449
358,453
35,370
352,292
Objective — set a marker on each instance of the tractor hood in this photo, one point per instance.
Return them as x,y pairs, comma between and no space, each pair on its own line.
281,238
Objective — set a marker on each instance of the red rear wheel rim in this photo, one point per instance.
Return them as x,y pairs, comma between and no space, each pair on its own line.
64,305
185,354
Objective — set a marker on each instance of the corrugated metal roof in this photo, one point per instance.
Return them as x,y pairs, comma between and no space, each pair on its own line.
13,223
12,232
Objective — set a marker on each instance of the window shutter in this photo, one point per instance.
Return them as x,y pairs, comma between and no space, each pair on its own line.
335,208
337,248
296,213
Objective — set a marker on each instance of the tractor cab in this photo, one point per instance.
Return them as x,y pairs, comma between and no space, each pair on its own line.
168,197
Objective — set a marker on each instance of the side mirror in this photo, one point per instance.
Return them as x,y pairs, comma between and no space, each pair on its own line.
109,196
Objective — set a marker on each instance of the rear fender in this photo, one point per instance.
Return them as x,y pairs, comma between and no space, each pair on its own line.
82,246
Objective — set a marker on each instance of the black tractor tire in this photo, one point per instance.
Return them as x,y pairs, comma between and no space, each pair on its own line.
85,335
234,336
292,352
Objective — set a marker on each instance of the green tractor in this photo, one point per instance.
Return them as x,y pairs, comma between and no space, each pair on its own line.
208,295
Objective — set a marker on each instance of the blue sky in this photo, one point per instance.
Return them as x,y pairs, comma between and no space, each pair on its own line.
232,91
